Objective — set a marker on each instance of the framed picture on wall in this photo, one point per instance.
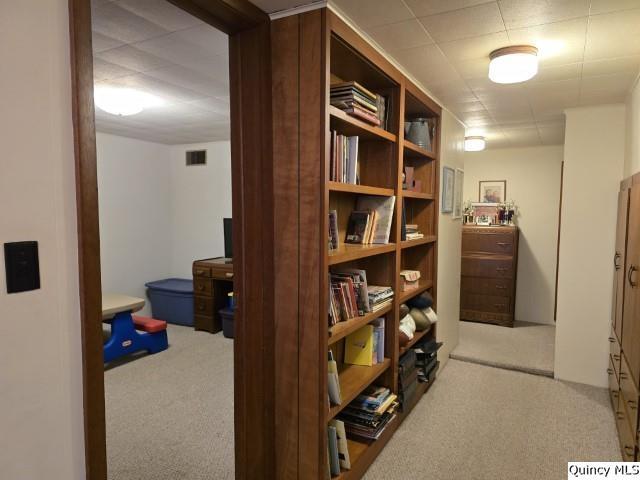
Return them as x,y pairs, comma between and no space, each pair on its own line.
448,183
457,193
492,191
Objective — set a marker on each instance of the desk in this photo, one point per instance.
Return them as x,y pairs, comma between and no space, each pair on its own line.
124,339
212,282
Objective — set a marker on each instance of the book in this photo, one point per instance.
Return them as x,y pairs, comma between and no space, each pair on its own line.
343,446
357,227
335,396
333,229
334,458
352,85
358,347
383,206
362,114
378,330
344,166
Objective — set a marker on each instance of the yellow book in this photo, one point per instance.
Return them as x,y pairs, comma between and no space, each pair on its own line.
358,347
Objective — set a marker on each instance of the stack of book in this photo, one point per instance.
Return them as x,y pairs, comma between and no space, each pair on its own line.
379,297
344,166
349,295
371,221
357,101
412,232
365,346
370,413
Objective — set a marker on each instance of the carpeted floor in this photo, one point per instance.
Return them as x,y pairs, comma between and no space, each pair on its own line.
170,416
527,347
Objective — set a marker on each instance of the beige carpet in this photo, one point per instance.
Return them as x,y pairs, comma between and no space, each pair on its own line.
527,347
170,417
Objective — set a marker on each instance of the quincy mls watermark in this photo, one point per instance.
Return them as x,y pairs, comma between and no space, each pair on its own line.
603,470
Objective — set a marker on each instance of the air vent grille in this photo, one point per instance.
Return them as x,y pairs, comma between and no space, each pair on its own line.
196,157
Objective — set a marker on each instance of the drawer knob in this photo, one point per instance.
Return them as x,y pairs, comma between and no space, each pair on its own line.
501,269
623,376
616,357
229,274
502,244
201,307
200,287
611,339
632,405
629,450
619,415
614,393
610,371
501,287
499,305
201,273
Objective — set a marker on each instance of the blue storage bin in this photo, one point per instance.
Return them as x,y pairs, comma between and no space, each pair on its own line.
172,300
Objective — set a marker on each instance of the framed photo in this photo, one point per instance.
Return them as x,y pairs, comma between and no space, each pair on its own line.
457,193
492,191
448,181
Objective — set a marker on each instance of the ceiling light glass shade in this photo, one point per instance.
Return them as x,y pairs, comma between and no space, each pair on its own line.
474,144
124,101
513,64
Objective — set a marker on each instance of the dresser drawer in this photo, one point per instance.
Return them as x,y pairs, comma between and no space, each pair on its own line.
626,437
628,395
487,267
500,287
485,303
614,349
203,306
614,382
202,286
199,272
500,243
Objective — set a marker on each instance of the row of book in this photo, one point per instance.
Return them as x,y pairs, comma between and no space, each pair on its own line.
351,296
344,166
357,101
366,417
371,221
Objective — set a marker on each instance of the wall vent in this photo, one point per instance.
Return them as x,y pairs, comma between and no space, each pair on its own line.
196,157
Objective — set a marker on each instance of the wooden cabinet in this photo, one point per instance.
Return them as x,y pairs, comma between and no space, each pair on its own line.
212,281
489,269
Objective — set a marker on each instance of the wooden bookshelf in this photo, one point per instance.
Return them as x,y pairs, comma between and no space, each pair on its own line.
302,142
416,338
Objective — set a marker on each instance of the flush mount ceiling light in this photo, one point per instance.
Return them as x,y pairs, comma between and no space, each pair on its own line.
124,101
513,64
475,143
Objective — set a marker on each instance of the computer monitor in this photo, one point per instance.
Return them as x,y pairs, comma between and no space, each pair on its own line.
228,238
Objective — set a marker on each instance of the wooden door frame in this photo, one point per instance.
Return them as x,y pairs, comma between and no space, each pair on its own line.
248,29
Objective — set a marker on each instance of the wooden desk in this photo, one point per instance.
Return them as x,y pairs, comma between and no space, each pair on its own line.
212,282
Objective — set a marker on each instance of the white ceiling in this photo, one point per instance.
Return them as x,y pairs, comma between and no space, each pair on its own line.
589,54
154,46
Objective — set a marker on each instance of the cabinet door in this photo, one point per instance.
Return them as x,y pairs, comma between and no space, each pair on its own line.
631,308
619,262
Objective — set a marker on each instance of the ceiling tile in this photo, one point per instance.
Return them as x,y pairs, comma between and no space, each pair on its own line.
619,83
612,65
464,23
194,81
474,48
475,119
527,13
474,68
401,35
558,72
422,8
599,97
114,21
613,35
427,64
161,13
102,42
103,70
130,57
371,13
608,6
558,43
168,92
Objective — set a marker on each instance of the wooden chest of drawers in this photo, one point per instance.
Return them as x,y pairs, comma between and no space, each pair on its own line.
212,281
489,268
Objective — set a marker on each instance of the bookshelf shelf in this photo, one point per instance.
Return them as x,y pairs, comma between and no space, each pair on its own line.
416,338
348,125
418,195
348,252
413,150
354,379
423,285
342,329
420,241
360,189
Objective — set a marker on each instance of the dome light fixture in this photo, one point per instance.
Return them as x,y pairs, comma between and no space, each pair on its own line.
474,143
124,101
514,64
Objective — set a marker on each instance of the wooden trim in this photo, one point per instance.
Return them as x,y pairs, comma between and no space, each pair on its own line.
88,238
555,299
229,16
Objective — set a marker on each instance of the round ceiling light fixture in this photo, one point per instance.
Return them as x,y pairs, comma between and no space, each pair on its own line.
514,64
474,143
124,101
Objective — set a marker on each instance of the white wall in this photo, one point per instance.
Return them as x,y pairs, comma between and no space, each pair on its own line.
200,199
533,182
156,214
135,204
41,424
594,159
632,156
449,238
